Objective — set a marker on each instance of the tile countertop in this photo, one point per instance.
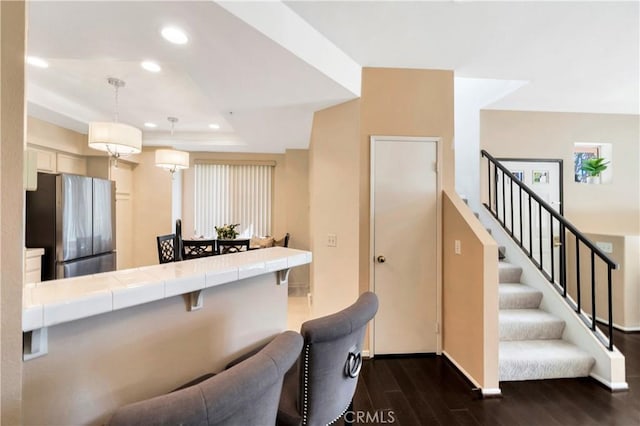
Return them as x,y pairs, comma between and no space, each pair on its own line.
54,302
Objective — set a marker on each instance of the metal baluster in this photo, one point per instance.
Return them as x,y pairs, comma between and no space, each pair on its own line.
578,274
551,242
504,204
511,202
521,215
540,233
610,307
563,259
593,291
530,230
495,182
489,183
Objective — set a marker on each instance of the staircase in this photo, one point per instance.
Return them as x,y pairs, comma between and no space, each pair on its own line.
531,345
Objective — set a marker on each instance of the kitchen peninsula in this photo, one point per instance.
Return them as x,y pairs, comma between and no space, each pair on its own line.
94,343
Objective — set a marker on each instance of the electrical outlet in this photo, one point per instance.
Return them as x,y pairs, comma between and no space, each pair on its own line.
457,247
332,240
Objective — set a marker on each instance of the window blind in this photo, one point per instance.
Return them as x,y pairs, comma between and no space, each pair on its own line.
226,194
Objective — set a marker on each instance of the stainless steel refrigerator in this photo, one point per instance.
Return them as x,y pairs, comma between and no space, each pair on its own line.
73,218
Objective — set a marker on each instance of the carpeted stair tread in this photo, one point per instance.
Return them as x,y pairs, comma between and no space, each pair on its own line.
509,273
529,324
542,359
518,296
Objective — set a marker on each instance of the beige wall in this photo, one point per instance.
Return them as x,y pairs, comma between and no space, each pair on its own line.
12,144
607,208
470,294
632,281
394,102
297,211
56,138
334,182
402,102
151,208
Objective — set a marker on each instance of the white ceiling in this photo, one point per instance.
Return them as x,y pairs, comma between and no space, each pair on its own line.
576,56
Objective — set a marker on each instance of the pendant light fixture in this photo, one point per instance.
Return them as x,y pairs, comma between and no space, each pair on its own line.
113,137
171,159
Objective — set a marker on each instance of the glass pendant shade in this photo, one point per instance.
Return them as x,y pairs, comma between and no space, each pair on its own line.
115,138
171,159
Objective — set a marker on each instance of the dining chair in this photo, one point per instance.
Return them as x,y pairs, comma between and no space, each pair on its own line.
232,246
247,394
283,242
319,388
193,249
166,248
179,239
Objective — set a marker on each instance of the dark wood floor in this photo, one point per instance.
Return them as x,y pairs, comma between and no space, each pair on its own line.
430,391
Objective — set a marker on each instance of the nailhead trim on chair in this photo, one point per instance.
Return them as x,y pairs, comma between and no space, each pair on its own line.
305,391
305,387
338,418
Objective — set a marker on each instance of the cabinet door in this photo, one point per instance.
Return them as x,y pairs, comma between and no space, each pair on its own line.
71,164
46,160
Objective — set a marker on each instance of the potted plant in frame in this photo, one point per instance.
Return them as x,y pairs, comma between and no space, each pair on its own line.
593,167
227,232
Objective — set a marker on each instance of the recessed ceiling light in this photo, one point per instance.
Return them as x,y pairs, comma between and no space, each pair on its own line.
174,35
150,66
37,62
214,126
150,125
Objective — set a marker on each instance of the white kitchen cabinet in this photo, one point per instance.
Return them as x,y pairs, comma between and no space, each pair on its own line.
33,265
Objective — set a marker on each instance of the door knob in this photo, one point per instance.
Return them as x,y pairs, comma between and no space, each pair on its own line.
381,259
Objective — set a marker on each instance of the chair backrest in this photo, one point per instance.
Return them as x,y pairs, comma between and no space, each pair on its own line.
193,249
232,246
331,360
178,239
166,248
246,394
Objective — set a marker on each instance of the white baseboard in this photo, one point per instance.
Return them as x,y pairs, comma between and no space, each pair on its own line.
366,353
491,392
616,326
615,386
627,329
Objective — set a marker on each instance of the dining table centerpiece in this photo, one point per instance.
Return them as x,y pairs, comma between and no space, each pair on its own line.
227,232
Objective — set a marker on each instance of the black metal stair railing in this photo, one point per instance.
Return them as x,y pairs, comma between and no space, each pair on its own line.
544,236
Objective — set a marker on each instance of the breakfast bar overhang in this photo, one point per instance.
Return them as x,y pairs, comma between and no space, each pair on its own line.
94,343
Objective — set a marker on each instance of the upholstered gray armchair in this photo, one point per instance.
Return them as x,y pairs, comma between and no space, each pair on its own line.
245,395
319,388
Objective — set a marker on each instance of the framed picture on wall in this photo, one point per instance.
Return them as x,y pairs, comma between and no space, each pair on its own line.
519,174
540,176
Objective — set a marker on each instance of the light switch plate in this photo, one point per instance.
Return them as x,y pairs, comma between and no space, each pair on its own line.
332,240
457,247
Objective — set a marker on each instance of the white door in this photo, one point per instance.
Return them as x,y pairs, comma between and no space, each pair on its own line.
544,179
404,231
